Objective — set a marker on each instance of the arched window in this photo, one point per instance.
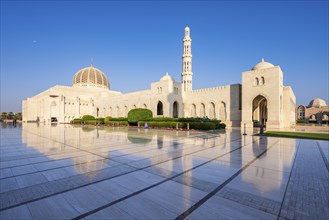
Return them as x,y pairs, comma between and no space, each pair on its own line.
202,110
301,112
144,106
256,81
160,108
212,113
222,111
193,111
263,80
175,110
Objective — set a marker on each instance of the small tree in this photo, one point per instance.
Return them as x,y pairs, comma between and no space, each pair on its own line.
139,114
10,115
4,115
18,116
87,117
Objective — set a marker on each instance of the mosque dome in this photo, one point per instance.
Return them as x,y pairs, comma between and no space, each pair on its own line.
167,77
317,103
90,77
262,65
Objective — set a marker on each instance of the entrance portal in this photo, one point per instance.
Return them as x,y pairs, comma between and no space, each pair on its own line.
259,110
175,110
160,108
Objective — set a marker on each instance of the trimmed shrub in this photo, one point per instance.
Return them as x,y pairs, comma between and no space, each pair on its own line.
100,120
191,119
117,123
109,118
193,125
87,117
76,121
139,114
156,124
163,119
91,122
168,119
119,119
203,126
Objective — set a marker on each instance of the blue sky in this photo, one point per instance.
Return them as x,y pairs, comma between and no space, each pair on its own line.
135,43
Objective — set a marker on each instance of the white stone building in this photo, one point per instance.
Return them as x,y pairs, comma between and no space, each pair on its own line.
261,97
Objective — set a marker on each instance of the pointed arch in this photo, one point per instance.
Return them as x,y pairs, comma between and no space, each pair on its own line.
175,109
159,108
259,110
202,110
222,111
212,112
193,111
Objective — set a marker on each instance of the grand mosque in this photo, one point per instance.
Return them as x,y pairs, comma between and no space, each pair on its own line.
260,99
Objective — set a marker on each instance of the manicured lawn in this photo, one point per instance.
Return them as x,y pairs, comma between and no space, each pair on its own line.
318,136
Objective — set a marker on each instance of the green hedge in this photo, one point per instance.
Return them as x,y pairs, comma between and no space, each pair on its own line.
91,122
155,124
85,120
87,117
193,125
117,123
168,119
109,118
139,114
203,126
100,120
76,121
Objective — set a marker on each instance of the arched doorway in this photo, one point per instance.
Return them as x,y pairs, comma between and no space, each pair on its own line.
222,111
193,111
202,110
259,110
175,110
212,113
160,108
301,112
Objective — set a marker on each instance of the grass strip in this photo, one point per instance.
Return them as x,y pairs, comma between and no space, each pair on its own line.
286,134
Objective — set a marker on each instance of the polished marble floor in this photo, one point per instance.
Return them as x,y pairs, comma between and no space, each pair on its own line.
73,172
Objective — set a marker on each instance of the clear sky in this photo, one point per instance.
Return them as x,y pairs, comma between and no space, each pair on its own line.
44,44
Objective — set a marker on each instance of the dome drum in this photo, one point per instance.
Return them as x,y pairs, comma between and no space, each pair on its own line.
90,77
317,103
262,65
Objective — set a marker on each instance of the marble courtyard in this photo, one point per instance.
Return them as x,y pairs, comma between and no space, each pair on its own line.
66,172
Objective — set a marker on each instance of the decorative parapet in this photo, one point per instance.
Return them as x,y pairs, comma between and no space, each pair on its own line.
219,88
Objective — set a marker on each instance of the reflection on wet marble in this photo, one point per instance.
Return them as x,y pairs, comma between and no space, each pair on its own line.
64,172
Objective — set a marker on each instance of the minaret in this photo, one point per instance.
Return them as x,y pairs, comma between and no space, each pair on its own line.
187,61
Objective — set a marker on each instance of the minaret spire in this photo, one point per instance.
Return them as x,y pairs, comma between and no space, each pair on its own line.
187,61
